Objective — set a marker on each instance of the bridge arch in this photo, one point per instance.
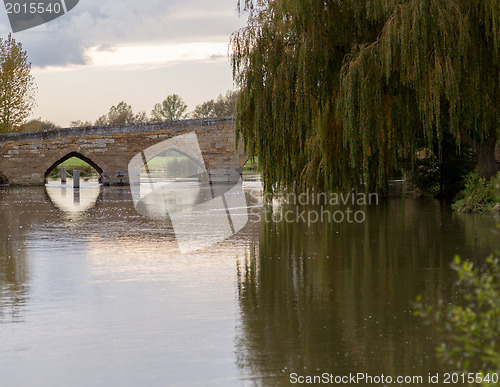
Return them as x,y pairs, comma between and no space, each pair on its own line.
69,156
178,152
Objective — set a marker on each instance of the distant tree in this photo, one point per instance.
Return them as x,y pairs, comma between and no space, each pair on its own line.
79,123
204,110
120,114
17,85
224,106
38,124
102,120
141,117
172,108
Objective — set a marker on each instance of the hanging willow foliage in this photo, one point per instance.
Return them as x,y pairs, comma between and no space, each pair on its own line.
334,93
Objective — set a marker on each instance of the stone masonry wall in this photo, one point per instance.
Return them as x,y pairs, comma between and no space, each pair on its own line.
25,158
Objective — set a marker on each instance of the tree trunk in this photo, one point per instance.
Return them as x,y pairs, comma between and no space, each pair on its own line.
485,153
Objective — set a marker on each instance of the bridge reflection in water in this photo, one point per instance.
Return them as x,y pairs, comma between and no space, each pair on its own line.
73,201
180,195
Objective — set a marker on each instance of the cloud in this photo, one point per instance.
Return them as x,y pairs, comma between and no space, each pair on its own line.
158,55
107,25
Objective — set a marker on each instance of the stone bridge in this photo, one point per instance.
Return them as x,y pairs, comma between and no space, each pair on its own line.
27,158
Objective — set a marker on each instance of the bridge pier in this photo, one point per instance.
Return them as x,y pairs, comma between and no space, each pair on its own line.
63,175
34,179
119,177
76,178
226,175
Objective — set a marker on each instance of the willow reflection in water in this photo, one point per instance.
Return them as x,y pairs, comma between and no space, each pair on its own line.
338,297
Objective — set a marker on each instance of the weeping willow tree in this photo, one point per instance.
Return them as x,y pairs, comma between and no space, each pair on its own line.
334,93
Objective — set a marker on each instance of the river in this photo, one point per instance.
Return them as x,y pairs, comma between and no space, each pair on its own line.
94,293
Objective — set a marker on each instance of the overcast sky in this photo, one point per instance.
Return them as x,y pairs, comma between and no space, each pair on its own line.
106,51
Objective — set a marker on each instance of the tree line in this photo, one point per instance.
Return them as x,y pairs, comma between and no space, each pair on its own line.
171,108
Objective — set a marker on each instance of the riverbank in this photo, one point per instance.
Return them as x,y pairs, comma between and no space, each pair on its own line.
479,196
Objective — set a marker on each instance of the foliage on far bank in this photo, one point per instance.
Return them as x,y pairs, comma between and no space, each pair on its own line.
120,114
171,108
479,195
470,324
38,124
442,176
72,164
223,106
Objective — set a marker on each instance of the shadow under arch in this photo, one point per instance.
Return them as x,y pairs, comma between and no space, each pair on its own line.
69,156
3,179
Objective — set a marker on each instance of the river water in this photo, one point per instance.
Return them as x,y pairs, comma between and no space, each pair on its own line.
92,293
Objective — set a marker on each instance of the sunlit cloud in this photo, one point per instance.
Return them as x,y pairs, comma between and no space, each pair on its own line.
159,54
145,57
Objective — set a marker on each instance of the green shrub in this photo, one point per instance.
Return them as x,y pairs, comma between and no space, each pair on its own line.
471,325
479,195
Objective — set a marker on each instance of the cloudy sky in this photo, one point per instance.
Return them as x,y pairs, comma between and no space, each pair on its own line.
106,51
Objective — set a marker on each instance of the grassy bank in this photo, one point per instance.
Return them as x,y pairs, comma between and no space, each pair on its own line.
251,166
86,170
479,196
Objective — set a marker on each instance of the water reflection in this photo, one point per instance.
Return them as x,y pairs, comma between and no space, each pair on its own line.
338,297
14,275
108,290
73,201
14,269
157,198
